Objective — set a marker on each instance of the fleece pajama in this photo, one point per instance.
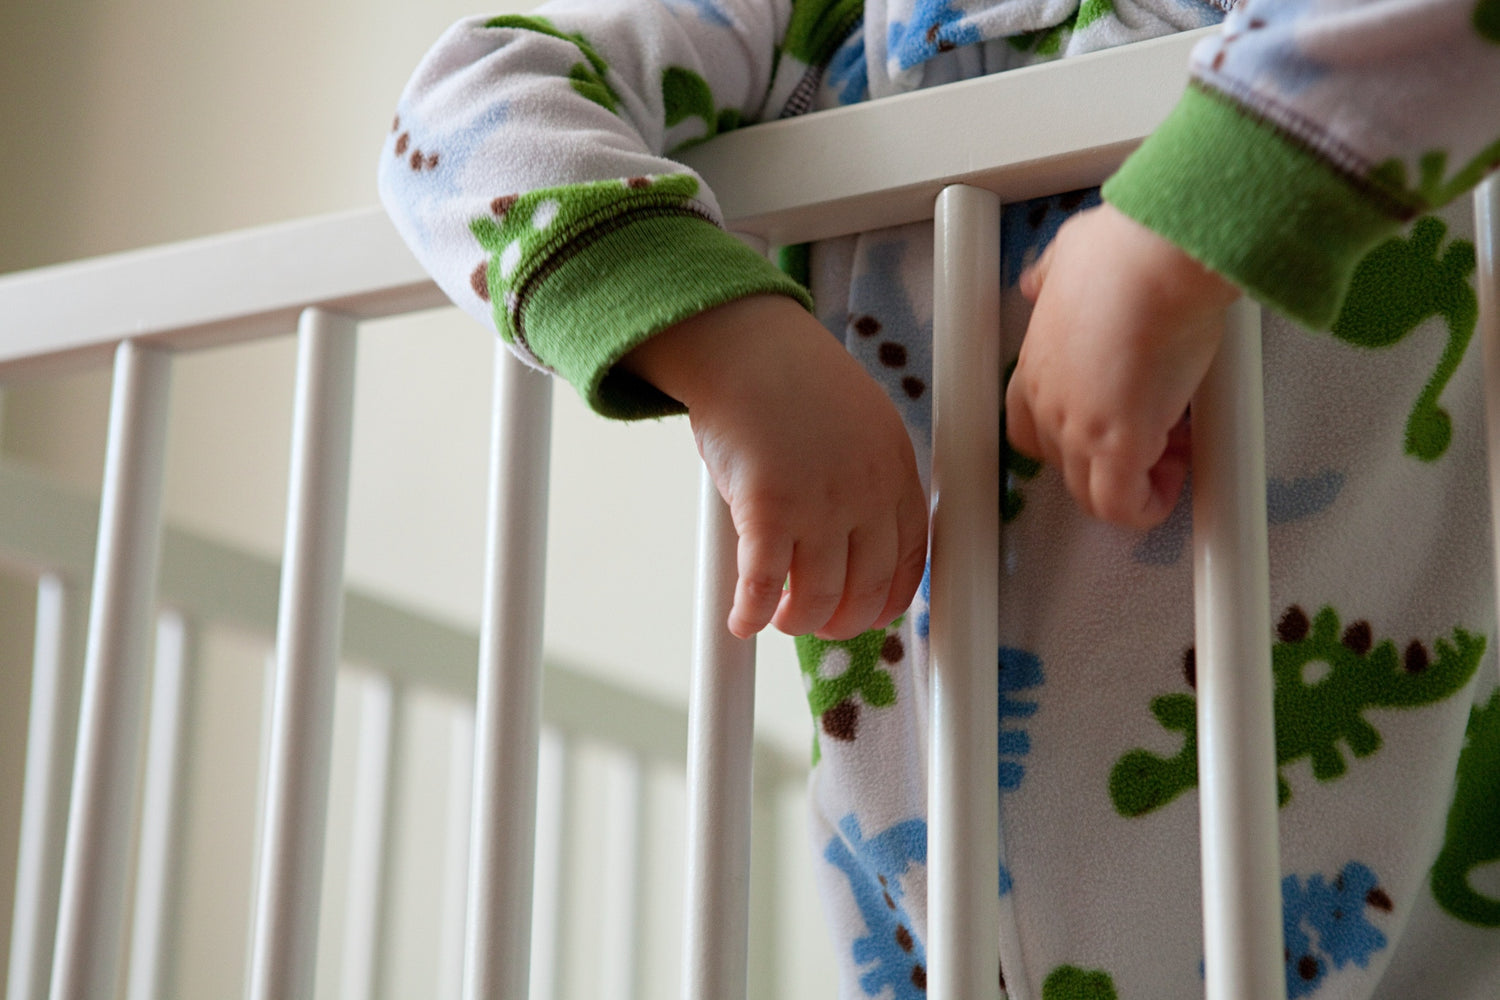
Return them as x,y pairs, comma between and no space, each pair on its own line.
1310,161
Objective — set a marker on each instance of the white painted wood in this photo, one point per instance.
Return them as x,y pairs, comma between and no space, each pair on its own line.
619,896
364,897
456,852
963,835
721,725
284,952
152,925
1243,950
237,286
101,817
44,796
1487,281
557,770
503,842
1047,128
1053,127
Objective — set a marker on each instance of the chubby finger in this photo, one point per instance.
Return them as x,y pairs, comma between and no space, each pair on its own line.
911,561
763,563
1035,276
867,582
1020,424
816,587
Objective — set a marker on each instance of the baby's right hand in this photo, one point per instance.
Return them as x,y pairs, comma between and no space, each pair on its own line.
812,458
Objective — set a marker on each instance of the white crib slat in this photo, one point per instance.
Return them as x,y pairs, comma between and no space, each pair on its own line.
963,837
721,728
44,796
1487,278
508,707
161,812
619,900
456,853
557,775
364,898
285,923
1236,733
91,911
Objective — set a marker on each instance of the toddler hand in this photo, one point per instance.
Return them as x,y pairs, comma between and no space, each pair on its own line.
811,457
1123,330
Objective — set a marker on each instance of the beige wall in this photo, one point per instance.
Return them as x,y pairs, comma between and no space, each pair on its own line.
141,121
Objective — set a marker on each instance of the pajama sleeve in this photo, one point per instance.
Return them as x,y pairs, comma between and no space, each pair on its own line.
1313,129
528,168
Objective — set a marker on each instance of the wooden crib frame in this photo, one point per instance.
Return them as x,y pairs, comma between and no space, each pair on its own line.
1065,126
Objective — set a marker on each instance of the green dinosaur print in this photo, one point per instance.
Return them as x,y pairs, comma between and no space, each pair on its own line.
835,698
1349,674
588,78
818,27
1396,287
1094,10
1487,20
524,234
1473,835
1068,982
1045,41
1432,190
686,95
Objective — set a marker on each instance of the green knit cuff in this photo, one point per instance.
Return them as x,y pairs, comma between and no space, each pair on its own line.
1254,204
630,283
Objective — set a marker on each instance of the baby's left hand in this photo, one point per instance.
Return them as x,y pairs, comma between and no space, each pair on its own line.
1122,333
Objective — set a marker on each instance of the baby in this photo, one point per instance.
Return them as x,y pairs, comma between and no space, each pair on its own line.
529,168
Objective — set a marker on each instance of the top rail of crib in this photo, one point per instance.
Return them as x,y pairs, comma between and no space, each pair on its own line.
1035,131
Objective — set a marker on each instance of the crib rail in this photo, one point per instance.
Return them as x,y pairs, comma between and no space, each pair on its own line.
1066,129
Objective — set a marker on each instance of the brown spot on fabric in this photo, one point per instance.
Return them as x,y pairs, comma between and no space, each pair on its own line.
892,355
1358,638
1219,60
504,204
913,387
479,280
416,159
919,977
867,326
1417,659
636,183
396,124
432,161
1377,898
1307,967
890,904
1256,24
1293,626
903,938
892,650
842,720
403,142
944,45
932,33
1190,667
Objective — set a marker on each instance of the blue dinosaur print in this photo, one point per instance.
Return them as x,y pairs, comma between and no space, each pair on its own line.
708,12
889,954
1287,500
886,336
934,28
1250,38
1027,227
1334,912
924,618
434,159
847,71
1019,671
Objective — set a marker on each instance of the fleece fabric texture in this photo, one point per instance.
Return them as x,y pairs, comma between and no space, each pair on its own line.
530,169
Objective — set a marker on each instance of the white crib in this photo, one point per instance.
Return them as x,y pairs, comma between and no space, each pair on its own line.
328,275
